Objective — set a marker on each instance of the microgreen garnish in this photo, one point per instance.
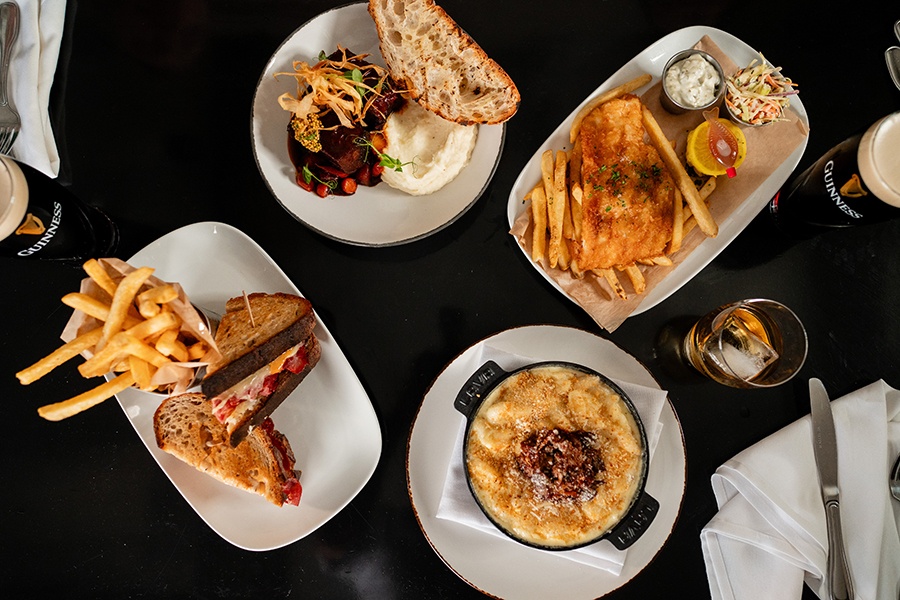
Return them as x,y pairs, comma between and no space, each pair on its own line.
388,162
308,176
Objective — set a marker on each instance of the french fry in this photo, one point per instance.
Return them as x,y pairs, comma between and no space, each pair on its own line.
561,193
677,223
564,256
81,402
89,305
575,192
606,96
122,345
168,345
707,188
59,356
142,371
556,206
574,267
122,302
197,350
149,301
637,278
613,280
539,219
699,209
154,326
96,272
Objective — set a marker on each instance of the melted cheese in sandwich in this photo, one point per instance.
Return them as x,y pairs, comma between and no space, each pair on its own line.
247,392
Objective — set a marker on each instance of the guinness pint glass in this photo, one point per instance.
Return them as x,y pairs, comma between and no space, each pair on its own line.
854,183
41,219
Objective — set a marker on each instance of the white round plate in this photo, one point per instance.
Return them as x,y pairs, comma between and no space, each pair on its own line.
497,566
373,216
652,60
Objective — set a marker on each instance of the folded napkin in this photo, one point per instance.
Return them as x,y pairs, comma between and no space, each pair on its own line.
458,505
31,72
769,536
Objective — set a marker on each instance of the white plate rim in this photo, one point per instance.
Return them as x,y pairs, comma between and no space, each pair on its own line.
460,194
429,442
244,519
651,60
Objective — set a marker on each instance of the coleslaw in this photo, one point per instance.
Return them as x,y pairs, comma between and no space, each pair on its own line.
758,93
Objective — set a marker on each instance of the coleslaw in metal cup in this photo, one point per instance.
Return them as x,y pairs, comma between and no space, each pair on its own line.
555,455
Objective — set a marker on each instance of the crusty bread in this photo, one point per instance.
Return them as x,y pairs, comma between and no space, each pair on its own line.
185,428
279,321
440,65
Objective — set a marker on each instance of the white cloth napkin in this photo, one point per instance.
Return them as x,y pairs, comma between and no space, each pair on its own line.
769,536
458,505
31,73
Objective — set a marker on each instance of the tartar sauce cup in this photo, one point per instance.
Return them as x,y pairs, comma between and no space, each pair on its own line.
690,86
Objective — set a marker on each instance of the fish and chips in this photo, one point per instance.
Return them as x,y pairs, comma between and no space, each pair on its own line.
615,203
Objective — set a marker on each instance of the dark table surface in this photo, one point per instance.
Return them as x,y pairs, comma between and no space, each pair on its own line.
151,107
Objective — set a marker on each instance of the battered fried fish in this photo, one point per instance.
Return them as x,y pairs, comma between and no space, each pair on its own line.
628,191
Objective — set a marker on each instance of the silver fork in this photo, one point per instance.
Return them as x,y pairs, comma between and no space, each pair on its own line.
10,123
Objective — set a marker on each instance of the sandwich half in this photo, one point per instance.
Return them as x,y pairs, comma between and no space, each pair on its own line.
262,464
267,348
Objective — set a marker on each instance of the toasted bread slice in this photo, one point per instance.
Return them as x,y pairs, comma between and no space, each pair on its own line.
440,65
263,464
246,343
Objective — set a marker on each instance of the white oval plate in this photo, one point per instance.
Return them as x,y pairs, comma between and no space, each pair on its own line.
652,60
497,566
373,216
329,419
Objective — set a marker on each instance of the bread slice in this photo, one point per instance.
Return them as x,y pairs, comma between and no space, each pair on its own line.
440,65
262,464
246,343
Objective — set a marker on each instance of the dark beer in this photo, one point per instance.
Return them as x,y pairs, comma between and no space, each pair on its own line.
856,182
41,219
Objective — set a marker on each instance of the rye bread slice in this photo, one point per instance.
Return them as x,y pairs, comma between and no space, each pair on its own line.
287,383
279,321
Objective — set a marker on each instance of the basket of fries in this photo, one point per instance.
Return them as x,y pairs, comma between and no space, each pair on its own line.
134,330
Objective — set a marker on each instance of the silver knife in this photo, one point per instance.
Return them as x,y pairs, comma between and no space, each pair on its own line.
840,586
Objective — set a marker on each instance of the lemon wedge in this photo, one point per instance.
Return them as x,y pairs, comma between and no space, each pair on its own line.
697,150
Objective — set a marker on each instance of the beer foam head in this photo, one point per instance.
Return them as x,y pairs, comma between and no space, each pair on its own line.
13,196
879,159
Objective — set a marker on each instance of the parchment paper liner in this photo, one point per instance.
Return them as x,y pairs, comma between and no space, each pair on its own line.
175,377
767,148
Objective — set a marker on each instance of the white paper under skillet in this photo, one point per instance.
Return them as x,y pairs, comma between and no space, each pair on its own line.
496,565
329,419
373,216
652,60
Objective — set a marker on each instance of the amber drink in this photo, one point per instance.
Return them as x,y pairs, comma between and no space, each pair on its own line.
748,344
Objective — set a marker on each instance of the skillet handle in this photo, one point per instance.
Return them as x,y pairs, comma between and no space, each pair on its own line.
473,391
635,523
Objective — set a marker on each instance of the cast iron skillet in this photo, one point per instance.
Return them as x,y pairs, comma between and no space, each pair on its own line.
635,520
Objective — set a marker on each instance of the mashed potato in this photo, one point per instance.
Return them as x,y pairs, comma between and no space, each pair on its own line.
432,150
